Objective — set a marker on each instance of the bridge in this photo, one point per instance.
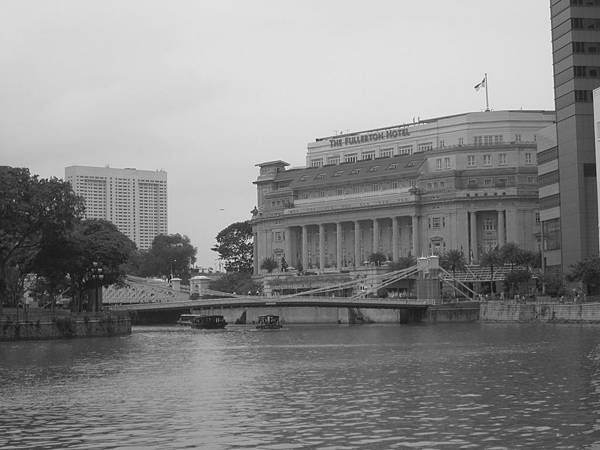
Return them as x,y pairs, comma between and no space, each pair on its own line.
313,305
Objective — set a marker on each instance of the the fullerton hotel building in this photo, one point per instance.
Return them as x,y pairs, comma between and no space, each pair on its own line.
467,182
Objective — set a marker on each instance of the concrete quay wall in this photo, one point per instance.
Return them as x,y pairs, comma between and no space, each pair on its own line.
66,328
540,312
317,314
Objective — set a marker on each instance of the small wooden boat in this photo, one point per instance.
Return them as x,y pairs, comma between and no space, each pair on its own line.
268,322
208,322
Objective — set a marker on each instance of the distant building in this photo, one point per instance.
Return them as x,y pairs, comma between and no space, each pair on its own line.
134,200
576,60
466,182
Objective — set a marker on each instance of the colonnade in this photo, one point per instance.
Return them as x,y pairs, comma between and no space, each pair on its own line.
355,253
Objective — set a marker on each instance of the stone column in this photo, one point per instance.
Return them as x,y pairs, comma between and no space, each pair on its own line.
357,261
338,245
288,246
375,235
415,236
395,238
321,247
474,255
305,247
501,228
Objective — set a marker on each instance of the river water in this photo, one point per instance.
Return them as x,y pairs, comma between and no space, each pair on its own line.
344,387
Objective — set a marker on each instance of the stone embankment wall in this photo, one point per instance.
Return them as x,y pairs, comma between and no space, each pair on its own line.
540,312
66,327
453,312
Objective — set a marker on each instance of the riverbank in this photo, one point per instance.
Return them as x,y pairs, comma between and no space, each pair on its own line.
540,312
63,326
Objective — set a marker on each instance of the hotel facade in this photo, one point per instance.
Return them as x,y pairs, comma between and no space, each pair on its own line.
134,200
466,182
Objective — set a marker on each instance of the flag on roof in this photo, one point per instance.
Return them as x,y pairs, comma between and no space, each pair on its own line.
480,85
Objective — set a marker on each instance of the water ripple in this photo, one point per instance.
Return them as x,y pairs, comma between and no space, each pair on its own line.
455,386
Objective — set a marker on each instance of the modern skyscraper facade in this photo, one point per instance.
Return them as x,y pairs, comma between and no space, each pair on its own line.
576,60
134,200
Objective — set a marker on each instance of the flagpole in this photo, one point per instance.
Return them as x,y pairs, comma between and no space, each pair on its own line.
487,103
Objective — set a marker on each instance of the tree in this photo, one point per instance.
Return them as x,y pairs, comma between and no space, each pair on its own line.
32,211
377,258
453,260
515,277
269,264
492,258
170,254
235,247
403,262
510,253
238,282
552,283
588,272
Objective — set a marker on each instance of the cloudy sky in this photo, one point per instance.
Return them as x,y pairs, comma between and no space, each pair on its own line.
207,89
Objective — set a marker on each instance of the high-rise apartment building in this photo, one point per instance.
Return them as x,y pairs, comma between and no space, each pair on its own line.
134,200
576,60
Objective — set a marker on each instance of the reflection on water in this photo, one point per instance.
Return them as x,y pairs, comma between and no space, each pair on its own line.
369,386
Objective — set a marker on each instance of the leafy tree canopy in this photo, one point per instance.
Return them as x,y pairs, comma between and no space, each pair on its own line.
32,211
403,262
269,264
377,258
67,261
238,282
169,254
453,260
234,246
588,272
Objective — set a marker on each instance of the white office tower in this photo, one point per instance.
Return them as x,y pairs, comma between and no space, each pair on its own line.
134,200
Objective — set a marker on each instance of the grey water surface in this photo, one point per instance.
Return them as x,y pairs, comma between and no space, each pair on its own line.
344,387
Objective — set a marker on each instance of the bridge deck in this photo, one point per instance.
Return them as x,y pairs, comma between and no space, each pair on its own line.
253,301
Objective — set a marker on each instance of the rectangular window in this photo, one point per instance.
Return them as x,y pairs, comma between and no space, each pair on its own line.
501,159
489,224
470,160
436,222
528,158
461,141
487,181
333,160
583,96
316,162
425,146
447,163
350,157
478,140
405,150
487,160
498,139
368,155
442,143
438,164
386,152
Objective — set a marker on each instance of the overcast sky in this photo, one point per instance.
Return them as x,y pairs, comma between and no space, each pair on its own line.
206,90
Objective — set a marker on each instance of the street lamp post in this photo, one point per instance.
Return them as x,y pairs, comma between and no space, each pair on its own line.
97,276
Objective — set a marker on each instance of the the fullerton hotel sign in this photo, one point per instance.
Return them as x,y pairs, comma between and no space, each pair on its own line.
363,138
